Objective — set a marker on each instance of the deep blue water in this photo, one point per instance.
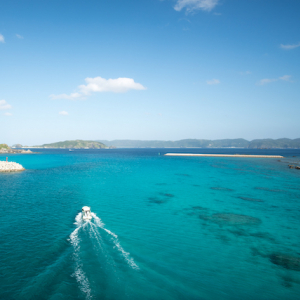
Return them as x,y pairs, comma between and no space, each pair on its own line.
164,227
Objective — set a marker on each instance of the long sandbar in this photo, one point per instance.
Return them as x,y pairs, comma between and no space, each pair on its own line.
224,155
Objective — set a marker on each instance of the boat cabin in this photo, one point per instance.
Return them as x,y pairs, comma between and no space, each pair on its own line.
86,213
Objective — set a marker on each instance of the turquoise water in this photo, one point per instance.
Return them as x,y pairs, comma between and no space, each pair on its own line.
164,227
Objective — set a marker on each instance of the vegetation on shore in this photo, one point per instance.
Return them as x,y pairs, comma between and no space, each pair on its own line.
5,149
4,146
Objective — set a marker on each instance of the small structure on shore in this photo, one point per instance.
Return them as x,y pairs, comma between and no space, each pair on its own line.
6,166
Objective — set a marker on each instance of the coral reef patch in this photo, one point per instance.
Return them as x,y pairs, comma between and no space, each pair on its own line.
250,199
221,189
231,219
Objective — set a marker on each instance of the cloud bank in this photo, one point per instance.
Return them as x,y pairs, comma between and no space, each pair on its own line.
63,113
213,81
2,39
19,36
4,105
289,47
99,84
269,80
191,5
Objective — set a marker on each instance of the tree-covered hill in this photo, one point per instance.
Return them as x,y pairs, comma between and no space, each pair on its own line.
76,144
4,146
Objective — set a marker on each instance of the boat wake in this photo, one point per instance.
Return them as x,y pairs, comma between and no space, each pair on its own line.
79,274
100,258
125,254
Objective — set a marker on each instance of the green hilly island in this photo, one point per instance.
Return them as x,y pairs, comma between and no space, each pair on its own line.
76,144
202,143
283,143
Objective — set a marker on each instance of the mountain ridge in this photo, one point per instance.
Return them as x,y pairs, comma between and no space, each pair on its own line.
204,143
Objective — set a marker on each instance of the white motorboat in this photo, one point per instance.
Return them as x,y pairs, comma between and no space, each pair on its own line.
86,213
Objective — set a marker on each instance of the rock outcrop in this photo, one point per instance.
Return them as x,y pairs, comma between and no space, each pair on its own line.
10,167
5,149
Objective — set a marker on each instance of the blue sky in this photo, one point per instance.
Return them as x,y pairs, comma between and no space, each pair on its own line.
149,69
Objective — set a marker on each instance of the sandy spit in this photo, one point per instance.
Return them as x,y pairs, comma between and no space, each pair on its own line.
224,155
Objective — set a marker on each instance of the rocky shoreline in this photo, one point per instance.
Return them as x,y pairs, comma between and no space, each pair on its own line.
14,151
10,167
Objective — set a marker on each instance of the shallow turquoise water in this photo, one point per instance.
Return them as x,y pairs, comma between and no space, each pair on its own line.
166,227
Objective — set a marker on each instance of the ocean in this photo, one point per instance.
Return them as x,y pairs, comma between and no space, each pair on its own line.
163,227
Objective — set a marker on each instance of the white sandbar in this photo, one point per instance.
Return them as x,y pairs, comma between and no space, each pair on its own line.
224,155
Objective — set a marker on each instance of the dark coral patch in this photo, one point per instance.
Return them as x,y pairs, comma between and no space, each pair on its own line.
167,195
156,200
286,261
221,189
184,175
268,190
198,207
162,198
250,199
259,235
194,210
235,219
231,219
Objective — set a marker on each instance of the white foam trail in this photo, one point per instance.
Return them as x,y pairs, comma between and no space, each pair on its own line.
98,221
111,233
125,254
79,274
97,236
78,219
83,282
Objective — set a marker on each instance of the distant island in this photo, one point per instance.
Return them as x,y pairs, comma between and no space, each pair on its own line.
283,143
75,144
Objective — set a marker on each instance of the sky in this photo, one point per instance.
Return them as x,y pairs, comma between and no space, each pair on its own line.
148,70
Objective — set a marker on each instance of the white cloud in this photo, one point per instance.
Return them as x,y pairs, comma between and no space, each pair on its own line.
2,38
191,5
213,81
63,113
99,84
285,77
72,96
289,47
266,80
8,114
4,105
245,73
269,80
19,36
